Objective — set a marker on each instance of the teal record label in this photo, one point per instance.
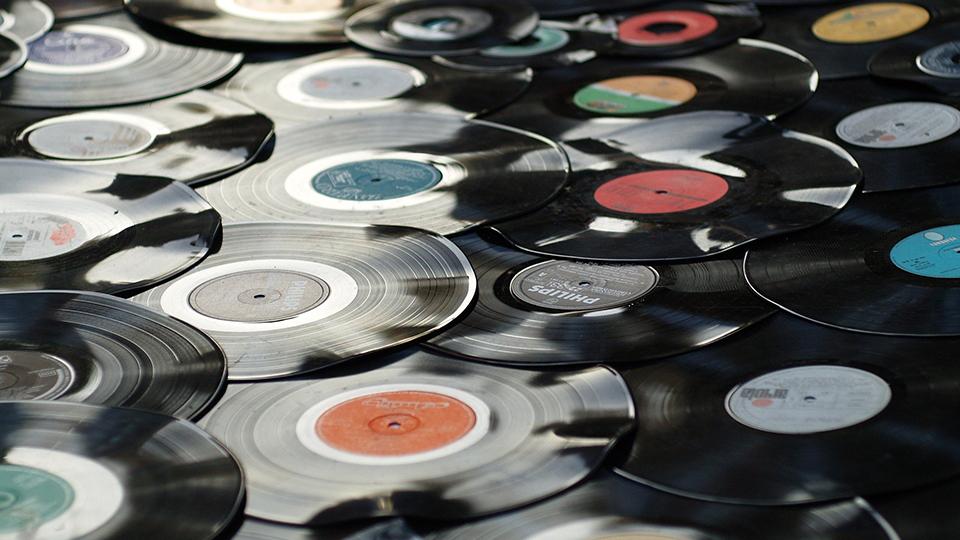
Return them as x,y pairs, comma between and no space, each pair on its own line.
30,497
543,41
931,253
376,179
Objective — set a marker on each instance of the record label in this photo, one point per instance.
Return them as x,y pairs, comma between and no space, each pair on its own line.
394,424
26,236
661,192
259,296
931,253
576,286
544,40
447,23
868,23
606,528
282,10
376,180
941,61
88,139
634,95
899,125
30,497
808,399
666,27
357,80
33,375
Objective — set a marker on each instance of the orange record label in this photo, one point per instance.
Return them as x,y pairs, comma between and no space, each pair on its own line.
867,23
661,192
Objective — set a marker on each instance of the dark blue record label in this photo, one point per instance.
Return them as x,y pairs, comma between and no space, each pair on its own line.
941,61
66,48
931,253
376,179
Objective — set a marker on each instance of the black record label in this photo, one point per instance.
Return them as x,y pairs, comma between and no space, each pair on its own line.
26,374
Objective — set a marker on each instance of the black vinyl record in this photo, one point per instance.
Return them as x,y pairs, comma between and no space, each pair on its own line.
927,513
441,27
889,263
385,529
69,228
609,506
840,39
192,138
805,412
351,82
535,311
687,186
287,298
418,434
611,93
75,471
901,137
435,172
565,8
99,349
927,57
74,9
109,61
26,19
291,21
13,54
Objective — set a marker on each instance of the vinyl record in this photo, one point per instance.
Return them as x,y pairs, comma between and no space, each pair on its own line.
13,54
417,434
351,82
611,93
682,28
386,529
927,513
901,137
109,61
192,138
889,263
286,298
687,186
68,228
434,172
535,311
98,349
26,19
73,9
441,27
805,412
565,8
611,507
840,39
73,471
926,57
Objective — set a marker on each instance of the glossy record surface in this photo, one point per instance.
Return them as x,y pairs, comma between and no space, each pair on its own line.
899,61
13,54
31,18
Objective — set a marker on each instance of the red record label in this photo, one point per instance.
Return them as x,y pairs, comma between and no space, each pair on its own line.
666,27
661,192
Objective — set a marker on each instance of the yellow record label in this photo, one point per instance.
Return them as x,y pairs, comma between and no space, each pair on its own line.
870,22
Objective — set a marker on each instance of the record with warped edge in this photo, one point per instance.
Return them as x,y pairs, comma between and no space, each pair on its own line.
687,186
901,137
99,349
418,434
101,473
68,228
109,61
612,93
832,415
13,54
565,8
928,57
75,9
435,172
191,138
383,529
889,263
350,82
287,298
926,513
440,27
536,311
26,19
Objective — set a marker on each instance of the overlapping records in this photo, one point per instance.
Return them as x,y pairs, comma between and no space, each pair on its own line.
26,19
564,8
286,298
446,439
109,61
191,138
434,172
922,514
68,228
928,57
887,264
611,93
833,415
687,186
75,9
381,529
102,350
297,21
13,54
535,311
84,471
349,82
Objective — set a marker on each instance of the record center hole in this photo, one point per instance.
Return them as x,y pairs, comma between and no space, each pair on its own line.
665,28
899,124
809,399
661,192
18,236
88,138
955,59
394,425
447,24
585,283
375,179
259,296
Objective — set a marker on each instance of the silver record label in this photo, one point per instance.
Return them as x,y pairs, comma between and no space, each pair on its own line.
447,23
88,139
899,125
941,61
26,375
359,81
259,296
72,48
26,236
577,286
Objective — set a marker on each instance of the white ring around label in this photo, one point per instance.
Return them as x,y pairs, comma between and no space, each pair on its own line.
299,184
289,86
9,19
343,290
137,48
233,8
615,526
151,126
306,425
98,493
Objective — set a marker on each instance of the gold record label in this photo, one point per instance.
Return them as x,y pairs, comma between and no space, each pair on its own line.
870,22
